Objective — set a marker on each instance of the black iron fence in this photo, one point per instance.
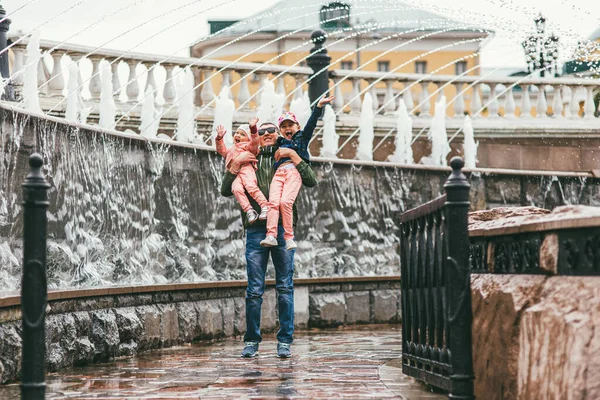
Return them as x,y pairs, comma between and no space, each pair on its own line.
436,294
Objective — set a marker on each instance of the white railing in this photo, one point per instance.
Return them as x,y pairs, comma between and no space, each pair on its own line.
513,102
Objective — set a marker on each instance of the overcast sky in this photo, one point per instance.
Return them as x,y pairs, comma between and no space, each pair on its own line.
167,27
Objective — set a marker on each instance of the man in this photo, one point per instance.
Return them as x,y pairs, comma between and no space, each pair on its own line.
258,256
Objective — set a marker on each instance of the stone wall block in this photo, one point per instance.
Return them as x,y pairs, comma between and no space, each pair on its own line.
325,288
169,325
150,318
498,302
130,326
384,305
357,307
83,323
210,319
188,321
10,314
503,190
301,307
134,300
178,297
105,334
228,312
240,316
10,351
327,309
561,332
268,317
84,352
93,304
61,334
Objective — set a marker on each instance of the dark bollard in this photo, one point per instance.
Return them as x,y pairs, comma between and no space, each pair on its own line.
458,282
4,66
33,286
318,61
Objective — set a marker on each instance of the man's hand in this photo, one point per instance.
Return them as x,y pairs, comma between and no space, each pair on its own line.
237,163
221,131
325,100
254,121
284,152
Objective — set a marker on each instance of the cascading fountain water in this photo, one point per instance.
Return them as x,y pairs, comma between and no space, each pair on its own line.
149,121
108,109
330,137
440,148
403,153
186,126
367,133
301,108
30,84
271,103
469,146
73,111
224,110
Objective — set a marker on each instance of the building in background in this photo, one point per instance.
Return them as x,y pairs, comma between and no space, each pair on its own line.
385,36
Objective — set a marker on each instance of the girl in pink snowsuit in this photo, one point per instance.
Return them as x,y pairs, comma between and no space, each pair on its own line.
245,140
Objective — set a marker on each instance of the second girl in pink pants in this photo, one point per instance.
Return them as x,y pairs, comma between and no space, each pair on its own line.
245,140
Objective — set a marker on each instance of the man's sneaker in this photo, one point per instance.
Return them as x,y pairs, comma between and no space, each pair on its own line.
251,216
290,244
251,350
269,241
283,350
263,213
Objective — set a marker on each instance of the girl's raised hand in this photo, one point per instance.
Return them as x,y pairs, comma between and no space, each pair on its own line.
254,121
221,131
325,100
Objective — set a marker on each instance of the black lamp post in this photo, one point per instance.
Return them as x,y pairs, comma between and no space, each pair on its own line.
541,51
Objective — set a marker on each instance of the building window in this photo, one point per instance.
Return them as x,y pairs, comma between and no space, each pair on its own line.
335,15
460,67
346,64
383,66
421,67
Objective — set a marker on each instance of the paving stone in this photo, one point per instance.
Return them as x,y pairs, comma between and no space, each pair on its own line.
322,367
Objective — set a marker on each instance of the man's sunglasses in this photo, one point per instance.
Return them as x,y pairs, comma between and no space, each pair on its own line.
270,129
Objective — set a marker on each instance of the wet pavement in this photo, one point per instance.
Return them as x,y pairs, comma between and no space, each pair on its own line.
326,364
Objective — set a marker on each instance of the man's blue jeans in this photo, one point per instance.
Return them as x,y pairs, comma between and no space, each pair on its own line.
256,267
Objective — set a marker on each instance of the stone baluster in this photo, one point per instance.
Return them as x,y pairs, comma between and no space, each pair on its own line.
226,74
244,93
169,88
542,104
425,101
133,87
150,81
373,92
116,81
525,102
459,101
17,74
509,104
207,94
476,102
389,100
408,97
355,103
589,107
574,103
493,103
281,91
557,103
298,88
56,83
338,102
96,80
76,57
261,76
42,78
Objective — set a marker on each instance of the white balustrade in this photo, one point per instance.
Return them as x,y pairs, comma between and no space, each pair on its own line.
564,95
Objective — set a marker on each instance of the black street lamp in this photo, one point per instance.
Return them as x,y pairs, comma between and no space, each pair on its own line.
541,51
